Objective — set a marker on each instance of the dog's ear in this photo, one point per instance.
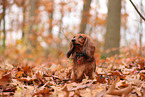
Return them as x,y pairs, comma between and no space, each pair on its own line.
89,47
70,51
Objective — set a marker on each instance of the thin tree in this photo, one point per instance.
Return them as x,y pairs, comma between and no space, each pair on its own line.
24,19
51,17
112,37
34,4
141,31
85,15
62,16
0,29
32,13
23,4
4,25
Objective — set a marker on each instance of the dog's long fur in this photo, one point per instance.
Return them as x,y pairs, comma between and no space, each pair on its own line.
82,49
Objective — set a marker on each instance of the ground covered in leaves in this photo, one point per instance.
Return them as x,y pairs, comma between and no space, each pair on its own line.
115,77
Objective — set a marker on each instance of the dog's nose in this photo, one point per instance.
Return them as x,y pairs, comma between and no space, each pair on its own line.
73,40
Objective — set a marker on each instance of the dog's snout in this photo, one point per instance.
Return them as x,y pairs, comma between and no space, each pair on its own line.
73,40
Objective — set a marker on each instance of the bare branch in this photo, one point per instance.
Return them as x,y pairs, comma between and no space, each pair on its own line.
137,10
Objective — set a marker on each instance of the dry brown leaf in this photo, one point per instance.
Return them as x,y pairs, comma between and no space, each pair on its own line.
65,88
45,92
27,80
19,74
100,94
76,94
10,89
6,78
142,76
120,92
1,73
6,94
143,90
101,79
117,73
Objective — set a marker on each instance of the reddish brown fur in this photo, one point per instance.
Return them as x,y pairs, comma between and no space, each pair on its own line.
82,51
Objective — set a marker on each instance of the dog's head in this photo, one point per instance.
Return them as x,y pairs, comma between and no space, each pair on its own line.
79,39
83,44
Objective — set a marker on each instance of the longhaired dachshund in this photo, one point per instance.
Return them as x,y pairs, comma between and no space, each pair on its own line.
82,49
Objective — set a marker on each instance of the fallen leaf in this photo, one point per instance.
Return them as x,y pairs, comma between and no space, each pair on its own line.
45,92
6,78
120,92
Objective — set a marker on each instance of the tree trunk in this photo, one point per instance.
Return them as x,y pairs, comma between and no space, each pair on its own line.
85,16
61,23
32,36
51,24
4,26
61,20
51,18
0,33
112,37
23,27
141,31
32,14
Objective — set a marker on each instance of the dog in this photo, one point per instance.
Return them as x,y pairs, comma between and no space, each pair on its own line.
82,49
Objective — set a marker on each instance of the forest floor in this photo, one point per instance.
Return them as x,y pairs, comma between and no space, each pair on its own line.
115,76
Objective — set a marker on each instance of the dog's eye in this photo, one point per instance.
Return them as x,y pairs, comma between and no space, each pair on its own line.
74,37
81,37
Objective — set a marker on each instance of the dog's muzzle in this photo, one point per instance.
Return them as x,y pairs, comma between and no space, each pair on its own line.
73,40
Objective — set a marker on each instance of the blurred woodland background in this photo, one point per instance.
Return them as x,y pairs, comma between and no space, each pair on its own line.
40,30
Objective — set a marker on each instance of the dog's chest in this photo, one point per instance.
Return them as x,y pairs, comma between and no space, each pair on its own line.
78,59
78,49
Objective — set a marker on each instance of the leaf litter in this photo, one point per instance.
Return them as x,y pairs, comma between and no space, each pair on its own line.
115,77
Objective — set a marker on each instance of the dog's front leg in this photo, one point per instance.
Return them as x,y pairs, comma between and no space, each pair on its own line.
73,75
70,51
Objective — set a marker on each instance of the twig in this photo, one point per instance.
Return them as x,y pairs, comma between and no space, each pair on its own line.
106,74
137,10
62,31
